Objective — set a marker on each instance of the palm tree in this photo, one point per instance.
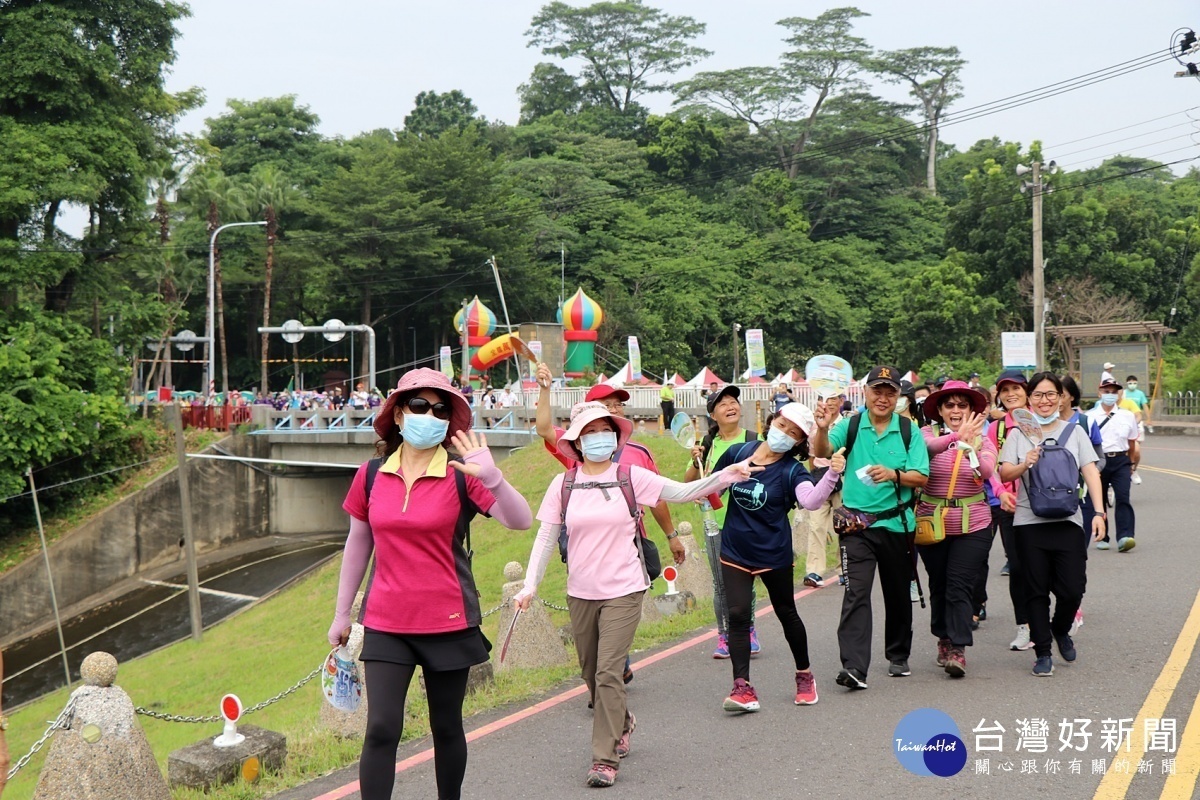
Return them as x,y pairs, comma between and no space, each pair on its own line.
269,193
208,190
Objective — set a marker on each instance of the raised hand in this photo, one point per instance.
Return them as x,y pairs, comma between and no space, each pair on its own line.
838,462
828,413
971,429
474,451
742,471
543,375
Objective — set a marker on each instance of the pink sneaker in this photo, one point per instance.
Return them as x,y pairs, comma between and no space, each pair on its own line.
806,689
623,742
601,775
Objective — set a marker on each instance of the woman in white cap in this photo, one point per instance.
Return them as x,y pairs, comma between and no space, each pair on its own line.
606,572
411,506
756,542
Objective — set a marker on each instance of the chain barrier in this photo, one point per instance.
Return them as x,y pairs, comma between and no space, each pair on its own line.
217,718
548,604
62,721
494,610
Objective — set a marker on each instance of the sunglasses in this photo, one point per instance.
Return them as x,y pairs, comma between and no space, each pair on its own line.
419,405
950,404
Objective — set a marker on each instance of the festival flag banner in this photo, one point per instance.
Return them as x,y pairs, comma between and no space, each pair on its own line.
635,359
447,363
756,355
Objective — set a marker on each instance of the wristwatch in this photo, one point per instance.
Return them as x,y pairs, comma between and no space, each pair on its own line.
672,535
3,723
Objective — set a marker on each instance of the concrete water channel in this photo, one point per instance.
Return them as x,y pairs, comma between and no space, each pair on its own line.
150,612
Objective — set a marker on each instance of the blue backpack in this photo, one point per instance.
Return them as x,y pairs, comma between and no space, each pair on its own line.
1052,485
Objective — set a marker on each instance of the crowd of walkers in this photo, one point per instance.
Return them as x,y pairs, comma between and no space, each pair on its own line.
918,474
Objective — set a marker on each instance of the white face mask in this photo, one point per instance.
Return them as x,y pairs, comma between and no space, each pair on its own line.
901,404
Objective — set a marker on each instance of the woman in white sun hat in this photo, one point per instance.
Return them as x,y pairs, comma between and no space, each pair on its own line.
756,542
606,572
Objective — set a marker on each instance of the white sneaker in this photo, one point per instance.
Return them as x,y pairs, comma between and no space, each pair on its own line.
1022,641
1112,498
1077,624
1137,479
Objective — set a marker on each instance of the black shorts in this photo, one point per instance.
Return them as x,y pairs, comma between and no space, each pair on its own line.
436,652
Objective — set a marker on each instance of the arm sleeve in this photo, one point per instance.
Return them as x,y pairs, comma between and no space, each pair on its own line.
360,543
539,556
502,502
675,492
812,496
937,444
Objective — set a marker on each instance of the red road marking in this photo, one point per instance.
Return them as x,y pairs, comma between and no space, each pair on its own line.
545,705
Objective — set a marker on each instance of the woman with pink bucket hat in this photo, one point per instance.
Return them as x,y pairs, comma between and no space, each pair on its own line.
606,572
412,506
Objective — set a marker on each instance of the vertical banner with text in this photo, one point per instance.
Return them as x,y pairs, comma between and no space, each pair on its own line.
635,359
756,355
446,362
536,347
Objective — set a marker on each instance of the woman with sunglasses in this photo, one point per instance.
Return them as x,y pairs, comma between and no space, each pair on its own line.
960,461
606,574
1049,549
410,506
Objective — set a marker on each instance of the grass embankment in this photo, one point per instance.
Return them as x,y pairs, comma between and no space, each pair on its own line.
266,649
18,545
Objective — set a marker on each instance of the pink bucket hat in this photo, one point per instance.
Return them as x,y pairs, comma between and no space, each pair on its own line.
581,415
934,413
414,381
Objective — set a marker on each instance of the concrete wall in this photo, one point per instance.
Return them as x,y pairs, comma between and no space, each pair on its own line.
230,503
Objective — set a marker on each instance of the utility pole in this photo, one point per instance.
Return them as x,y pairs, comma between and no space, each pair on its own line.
466,351
1039,272
737,369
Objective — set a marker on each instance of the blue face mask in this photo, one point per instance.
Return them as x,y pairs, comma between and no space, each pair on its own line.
778,441
598,447
424,431
1109,399
1045,420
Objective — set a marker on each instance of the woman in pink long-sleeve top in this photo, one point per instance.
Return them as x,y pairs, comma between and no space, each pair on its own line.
958,454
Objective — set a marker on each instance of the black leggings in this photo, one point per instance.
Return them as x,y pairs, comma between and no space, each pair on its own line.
387,688
739,588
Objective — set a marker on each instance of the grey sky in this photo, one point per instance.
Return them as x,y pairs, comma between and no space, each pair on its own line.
359,63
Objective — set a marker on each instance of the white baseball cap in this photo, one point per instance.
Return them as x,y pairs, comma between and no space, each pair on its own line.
1109,365
801,415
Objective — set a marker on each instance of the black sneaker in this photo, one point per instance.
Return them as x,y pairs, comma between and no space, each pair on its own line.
1005,570
851,679
899,669
1066,647
1043,667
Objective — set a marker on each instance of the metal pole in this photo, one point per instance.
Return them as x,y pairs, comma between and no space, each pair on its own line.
370,358
209,324
736,354
37,511
185,508
562,276
466,354
1039,277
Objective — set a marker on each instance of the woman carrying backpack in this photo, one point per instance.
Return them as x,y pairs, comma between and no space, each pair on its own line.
724,406
1048,522
756,542
606,572
961,460
411,507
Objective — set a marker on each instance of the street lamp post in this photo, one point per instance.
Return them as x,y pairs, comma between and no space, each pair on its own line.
209,325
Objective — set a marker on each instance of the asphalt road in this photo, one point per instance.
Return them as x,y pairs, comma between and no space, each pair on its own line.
1135,661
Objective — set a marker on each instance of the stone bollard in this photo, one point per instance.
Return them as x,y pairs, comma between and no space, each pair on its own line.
650,612
104,753
669,605
203,766
535,641
695,577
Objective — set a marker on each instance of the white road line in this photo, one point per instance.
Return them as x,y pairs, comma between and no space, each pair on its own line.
215,592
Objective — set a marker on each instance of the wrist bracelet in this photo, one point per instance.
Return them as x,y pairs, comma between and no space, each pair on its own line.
672,535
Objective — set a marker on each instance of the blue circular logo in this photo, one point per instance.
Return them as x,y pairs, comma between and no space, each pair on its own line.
927,742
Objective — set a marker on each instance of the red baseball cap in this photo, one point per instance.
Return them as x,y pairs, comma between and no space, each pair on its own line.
603,390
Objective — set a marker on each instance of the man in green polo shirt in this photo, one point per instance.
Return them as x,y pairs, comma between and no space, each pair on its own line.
877,463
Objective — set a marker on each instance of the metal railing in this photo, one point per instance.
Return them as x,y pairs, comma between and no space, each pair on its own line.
1177,404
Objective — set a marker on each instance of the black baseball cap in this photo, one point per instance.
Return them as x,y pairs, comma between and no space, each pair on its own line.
942,380
1011,376
884,375
727,390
